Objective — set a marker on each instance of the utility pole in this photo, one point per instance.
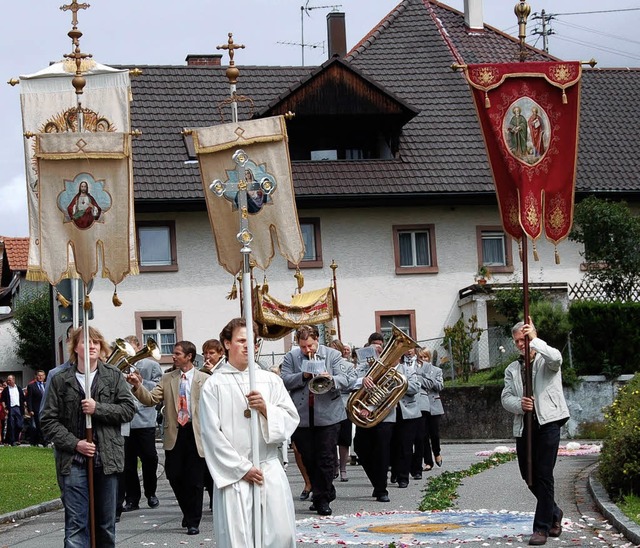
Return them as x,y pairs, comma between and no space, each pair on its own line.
546,31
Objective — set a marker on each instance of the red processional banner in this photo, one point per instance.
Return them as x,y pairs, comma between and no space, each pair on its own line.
529,115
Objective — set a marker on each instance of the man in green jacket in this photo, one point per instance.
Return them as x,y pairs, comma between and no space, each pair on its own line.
63,422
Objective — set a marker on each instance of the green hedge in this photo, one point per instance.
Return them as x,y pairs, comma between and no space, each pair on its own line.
604,338
619,467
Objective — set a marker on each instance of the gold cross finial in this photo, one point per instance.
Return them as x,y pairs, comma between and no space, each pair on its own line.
232,72
75,8
231,47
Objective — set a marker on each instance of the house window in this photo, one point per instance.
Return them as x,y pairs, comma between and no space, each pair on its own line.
494,249
157,246
310,229
415,249
164,327
405,320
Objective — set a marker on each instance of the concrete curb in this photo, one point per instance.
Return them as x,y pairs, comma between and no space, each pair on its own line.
31,511
614,515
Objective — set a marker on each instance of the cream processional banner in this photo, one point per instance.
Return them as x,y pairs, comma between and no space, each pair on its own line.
49,106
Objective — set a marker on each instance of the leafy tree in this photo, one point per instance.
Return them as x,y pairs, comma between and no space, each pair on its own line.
32,326
610,233
510,304
462,336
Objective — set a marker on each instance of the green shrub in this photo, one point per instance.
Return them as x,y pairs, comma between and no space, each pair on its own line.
619,469
604,337
592,430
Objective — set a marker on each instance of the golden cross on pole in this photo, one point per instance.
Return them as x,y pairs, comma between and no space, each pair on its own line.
232,72
75,7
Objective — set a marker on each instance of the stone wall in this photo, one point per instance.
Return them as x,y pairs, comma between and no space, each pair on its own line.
476,412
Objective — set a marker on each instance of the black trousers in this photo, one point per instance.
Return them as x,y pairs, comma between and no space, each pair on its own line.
418,445
544,452
402,446
373,447
317,446
185,472
431,438
141,443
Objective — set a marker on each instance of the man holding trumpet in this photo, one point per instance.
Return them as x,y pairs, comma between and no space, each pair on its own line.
321,410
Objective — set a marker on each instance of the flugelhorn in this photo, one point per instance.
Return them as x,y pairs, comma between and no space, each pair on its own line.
320,384
121,349
125,363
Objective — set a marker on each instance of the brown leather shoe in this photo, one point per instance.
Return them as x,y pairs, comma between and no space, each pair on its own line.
538,538
556,528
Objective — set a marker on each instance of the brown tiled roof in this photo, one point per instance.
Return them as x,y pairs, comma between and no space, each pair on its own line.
17,252
408,54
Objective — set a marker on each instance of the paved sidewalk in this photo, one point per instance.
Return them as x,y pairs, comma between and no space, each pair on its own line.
494,508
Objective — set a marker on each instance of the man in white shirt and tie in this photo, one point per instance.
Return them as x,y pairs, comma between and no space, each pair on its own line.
184,456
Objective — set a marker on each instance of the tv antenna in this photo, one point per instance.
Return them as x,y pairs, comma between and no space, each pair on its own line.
306,9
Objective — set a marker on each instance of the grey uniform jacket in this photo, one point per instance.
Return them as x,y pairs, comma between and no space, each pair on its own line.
328,408
409,402
431,384
549,402
151,373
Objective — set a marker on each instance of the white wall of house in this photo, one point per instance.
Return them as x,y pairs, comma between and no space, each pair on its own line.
361,243
9,361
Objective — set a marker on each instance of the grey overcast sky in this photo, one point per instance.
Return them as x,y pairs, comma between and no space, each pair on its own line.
34,32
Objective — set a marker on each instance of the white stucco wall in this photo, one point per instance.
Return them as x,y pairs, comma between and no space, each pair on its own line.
361,243
9,361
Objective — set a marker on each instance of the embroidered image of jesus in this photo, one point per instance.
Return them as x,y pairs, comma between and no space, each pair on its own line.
84,201
83,209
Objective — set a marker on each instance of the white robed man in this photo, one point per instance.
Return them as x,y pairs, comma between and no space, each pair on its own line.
225,406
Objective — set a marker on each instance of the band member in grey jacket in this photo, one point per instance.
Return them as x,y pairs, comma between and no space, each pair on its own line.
407,418
432,383
550,412
320,414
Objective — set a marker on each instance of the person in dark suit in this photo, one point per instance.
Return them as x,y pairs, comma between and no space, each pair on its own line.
35,393
14,405
184,457
320,414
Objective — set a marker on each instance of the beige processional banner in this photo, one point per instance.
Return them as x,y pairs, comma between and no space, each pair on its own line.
49,105
271,205
85,205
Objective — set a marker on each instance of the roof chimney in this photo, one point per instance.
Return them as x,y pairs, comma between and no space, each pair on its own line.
204,60
336,34
473,15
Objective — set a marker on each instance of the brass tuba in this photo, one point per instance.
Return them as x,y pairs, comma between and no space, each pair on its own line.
389,385
121,349
124,362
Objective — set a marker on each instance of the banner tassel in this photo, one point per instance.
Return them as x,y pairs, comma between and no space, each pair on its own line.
115,299
87,303
233,294
556,254
535,252
520,249
299,276
564,97
62,300
487,102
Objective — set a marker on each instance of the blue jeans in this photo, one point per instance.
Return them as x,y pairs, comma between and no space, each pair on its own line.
545,442
75,495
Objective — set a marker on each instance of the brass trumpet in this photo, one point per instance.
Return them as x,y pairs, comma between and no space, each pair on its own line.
320,384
